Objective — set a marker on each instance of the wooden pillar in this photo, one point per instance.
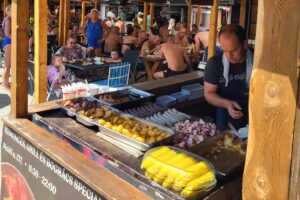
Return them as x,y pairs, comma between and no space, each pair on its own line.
272,106
213,29
151,13
243,7
61,23
189,16
82,12
145,14
19,59
199,16
96,4
40,47
66,20
5,4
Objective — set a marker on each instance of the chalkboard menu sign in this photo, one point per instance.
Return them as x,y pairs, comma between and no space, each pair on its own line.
28,173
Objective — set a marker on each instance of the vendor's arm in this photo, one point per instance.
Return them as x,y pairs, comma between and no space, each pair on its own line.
212,97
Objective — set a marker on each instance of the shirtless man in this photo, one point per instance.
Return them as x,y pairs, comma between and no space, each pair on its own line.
113,41
181,38
119,23
202,38
164,31
151,46
129,41
178,61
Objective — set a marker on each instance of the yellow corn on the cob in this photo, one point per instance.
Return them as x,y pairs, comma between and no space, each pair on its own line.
205,181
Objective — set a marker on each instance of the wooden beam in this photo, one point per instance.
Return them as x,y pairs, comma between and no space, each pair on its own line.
66,21
96,4
295,169
82,12
272,106
151,14
19,59
213,29
40,47
61,23
5,4
199,16
243,8
189,16
145,15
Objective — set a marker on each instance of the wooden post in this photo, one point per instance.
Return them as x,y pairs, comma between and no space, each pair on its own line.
95,4
189,16
61,23
40,47
272,106
66,20
82,12
199,16
145,15
151,13
243,7
19,59
213,29
5,4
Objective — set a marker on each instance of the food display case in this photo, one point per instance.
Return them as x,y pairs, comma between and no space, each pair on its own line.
91,127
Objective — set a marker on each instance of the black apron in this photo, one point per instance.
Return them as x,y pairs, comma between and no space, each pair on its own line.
236,91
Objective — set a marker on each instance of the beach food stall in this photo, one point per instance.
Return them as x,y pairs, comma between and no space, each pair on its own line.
155,139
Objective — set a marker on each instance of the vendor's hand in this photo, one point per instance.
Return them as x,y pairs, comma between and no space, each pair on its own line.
234,110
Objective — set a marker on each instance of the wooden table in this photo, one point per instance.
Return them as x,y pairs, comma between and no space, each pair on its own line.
151,69
93,67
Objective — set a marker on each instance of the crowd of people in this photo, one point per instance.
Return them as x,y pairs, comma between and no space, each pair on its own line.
113,36
227,74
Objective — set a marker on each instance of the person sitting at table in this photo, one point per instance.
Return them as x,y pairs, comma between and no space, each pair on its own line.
114,57
164,30
72,50
129,41
177,60
119,23
57,71
142,37
181,38
109,22
113,41
152,45
137,30
74,30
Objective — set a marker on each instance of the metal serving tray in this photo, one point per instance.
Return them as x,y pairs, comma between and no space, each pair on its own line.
133,151
135,96
72,112
69,112
132,142
84,120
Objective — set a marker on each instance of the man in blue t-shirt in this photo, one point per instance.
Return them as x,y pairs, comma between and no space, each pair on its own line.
226,78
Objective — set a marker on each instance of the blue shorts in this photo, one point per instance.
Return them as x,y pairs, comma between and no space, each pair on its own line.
6,41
